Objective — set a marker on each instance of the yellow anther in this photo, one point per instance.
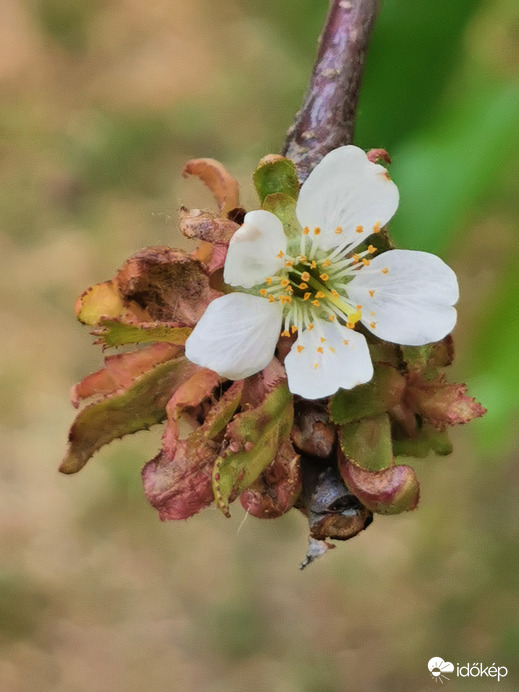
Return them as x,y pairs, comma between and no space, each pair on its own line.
280,254
316,365
293,329
372,314
324,277
302,258
331,318
359,229
289,263
263,291
338,230
322,339
284,282
326,263
345,342
319,349
376,227
289,289
306,230
307,295
366,262
302,285
332,349
300,348
268,280
359,307
272,299
334,293
350,325
372,325
305,276
371,249
310,327
385,270
317,230
285,333
371,293
316,303
319,294
355,257
285,299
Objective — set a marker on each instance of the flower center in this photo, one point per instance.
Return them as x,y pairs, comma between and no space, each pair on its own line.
313,284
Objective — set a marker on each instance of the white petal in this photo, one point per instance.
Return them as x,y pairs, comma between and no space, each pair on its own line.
236,336
345,361
254,249
411,302
346,190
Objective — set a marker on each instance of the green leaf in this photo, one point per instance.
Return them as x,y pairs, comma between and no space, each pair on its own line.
139,407
371,399
284,207
368,442
426,440
116,332
276,174
254,438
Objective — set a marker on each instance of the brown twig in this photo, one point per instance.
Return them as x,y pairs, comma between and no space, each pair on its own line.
327,117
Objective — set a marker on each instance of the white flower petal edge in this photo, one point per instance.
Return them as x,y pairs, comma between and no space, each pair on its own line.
346,191
406,297
326,358
236,336
255,250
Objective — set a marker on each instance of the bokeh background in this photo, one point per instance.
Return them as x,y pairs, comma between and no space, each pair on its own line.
102,102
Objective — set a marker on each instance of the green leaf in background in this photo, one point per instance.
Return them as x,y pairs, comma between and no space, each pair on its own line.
256,435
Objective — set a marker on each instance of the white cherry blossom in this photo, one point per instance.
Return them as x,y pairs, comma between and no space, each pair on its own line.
318,288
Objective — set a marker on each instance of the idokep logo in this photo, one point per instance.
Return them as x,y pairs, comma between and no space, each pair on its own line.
439,667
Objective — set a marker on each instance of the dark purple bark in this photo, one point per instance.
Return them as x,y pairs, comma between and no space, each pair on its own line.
327,117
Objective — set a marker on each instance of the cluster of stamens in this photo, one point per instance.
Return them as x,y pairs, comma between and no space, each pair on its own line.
313,284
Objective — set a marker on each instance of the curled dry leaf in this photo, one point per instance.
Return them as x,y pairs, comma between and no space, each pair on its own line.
100,300
196,223
218,179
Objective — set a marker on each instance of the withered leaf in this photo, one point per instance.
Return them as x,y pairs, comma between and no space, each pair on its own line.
138,407
118,332
196,223
100,300
218,179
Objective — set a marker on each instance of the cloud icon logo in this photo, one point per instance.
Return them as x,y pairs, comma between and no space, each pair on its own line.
438,667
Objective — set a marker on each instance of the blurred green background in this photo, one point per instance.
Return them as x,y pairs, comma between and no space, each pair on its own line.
102,102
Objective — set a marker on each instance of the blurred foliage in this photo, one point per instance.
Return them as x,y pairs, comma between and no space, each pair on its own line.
102,103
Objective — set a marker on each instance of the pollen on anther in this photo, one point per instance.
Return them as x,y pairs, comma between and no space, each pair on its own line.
366,262
272,299
371,293
324,277
306,230
376,227
319,294
319,349
284,282
359,229
372,325
332,349
263,291
293,329
355,257
302,285
316,365
338,230
289,289
371,249
285,333
313,265
307,295
305,276
268,280
289,263
317,230
331,318
350,325
280,254
345,342
316,303
302,258
300,348
310,327
358,307
323,339
385,270
334,293
326,263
